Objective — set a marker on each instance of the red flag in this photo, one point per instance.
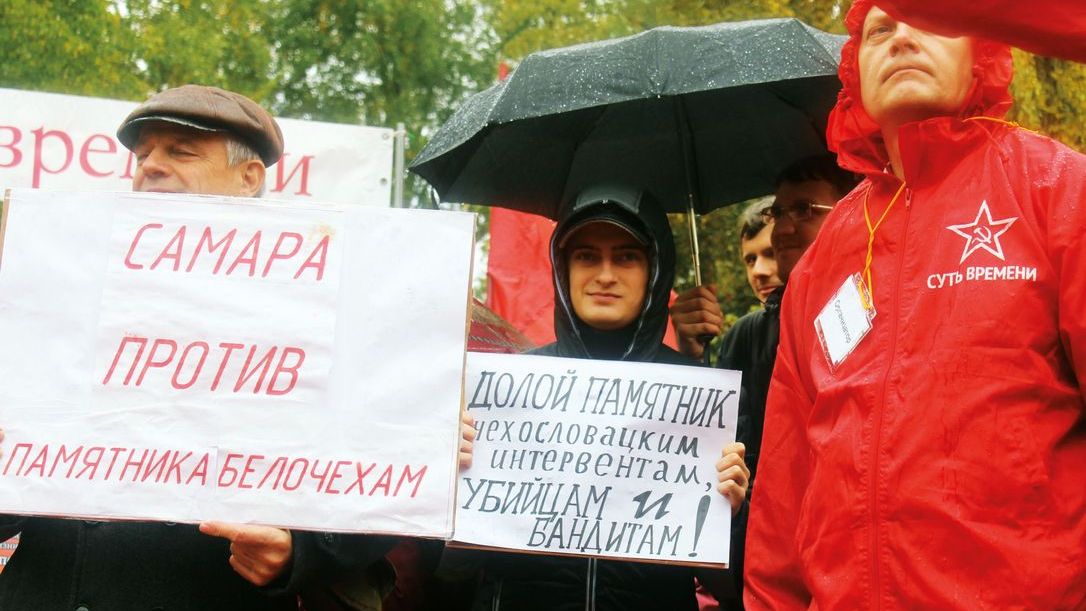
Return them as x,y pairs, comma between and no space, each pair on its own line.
669,336
519,272
519,269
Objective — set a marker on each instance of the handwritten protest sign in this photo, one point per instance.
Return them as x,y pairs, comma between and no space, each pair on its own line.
186,358
597,458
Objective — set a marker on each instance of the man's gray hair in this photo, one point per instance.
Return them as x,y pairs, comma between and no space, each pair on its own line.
239,152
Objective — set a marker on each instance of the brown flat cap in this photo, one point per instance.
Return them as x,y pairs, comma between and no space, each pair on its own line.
209,109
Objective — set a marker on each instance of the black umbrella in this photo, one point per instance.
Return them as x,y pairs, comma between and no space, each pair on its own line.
702,117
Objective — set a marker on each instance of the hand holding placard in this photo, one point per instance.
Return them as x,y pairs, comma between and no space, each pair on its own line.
260,554
467,439
733,475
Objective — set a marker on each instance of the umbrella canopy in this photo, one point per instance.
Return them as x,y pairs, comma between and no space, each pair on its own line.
705,116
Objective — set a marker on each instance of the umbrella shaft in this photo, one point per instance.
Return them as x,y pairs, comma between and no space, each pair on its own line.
695,251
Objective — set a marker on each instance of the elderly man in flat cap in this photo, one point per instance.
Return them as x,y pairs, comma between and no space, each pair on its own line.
205,140
195,139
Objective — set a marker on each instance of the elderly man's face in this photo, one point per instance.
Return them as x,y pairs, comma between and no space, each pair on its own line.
176,159
910,75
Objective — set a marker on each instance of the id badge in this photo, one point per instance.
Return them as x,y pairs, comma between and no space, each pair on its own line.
845,320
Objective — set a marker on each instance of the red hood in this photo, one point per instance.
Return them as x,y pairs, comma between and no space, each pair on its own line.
857,139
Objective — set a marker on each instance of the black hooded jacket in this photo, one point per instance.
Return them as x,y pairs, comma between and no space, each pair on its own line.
520,582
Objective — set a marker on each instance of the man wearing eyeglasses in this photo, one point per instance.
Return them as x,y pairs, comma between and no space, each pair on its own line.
806,192
804,197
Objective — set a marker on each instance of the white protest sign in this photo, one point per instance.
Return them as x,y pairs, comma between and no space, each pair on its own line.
54,141
186,358
602,458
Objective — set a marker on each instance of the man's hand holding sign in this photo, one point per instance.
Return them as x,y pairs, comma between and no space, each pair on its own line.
260,554
732,475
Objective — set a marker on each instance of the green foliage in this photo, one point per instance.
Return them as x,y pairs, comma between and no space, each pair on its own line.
67,47
525,26
374,61
192,41
1050,97
379,62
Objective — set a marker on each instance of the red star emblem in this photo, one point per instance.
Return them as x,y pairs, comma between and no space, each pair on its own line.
983,233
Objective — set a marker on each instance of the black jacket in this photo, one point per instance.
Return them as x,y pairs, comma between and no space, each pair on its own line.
521,582
750,346
61,565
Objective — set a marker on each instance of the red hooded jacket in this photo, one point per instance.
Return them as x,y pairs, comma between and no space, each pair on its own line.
942,464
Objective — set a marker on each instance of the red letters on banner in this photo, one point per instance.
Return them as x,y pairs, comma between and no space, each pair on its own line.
240,471
101,463
281,183
178,252
99,157
272,371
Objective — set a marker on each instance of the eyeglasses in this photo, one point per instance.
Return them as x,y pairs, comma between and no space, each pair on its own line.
803,211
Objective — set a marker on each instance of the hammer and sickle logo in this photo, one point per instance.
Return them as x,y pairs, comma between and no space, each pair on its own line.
982,235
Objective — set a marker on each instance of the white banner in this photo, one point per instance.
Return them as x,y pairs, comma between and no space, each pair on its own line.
604,458
186,358
54,141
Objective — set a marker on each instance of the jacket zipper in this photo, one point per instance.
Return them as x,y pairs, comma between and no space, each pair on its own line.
496,604
590,586
873,480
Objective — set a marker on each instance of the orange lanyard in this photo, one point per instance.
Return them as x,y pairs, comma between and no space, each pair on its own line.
867,296
999,121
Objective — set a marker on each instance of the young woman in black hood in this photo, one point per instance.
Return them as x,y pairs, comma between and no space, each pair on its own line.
613,261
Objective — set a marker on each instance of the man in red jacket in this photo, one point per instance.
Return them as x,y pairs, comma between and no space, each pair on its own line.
925,435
